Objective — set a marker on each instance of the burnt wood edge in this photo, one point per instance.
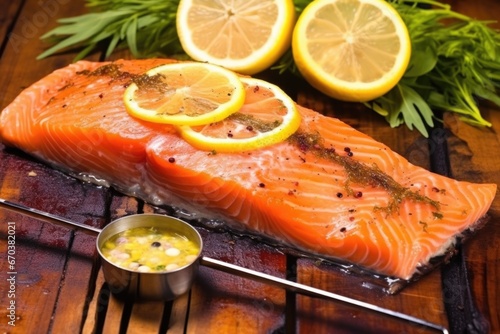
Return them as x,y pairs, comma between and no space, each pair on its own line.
461,310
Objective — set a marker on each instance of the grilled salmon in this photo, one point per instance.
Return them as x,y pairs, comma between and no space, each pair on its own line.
328,190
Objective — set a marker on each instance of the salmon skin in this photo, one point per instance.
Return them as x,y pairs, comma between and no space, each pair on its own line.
329,190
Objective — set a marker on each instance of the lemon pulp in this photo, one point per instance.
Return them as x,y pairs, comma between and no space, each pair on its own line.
352,50
244,36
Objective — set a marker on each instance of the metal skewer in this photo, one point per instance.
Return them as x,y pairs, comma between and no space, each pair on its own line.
236,270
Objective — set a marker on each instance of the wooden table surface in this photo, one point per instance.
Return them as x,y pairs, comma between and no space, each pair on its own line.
59,288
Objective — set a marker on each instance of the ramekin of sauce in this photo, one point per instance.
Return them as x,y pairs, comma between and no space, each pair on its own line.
149,256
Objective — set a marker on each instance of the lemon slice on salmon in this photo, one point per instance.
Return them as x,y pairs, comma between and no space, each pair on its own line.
244,36
185,94
269,116
352,50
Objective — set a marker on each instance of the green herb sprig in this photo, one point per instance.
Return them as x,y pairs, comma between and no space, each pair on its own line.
455,59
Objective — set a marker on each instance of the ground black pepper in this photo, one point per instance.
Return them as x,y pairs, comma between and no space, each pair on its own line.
359,173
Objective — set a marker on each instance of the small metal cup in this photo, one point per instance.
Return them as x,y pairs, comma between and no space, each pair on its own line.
168,285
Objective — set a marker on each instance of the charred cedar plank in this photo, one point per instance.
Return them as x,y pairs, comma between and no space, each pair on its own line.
473,154
116,315
20,69
77,285
178,316
40,253
44,188
224,303
44,251
146,317
421,300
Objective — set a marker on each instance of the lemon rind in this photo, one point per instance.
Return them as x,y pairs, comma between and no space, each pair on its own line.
346,90
288,127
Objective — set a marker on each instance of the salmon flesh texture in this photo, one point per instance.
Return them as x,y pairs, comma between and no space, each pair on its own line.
373,209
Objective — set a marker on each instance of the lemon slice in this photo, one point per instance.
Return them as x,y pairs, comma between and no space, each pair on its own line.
352,50
185,94
269,116
244,36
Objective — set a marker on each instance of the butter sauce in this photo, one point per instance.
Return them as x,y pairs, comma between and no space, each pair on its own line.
150,249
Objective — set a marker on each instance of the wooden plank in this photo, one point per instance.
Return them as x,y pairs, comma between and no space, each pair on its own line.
473,154
422,300
474,157
38,186
8,16
78,282
224,303
146,317
71,199
217,295
20,68
179,315
97,307
40,252
43,188
114,316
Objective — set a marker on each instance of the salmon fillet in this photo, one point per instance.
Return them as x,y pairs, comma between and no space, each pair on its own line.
369,207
